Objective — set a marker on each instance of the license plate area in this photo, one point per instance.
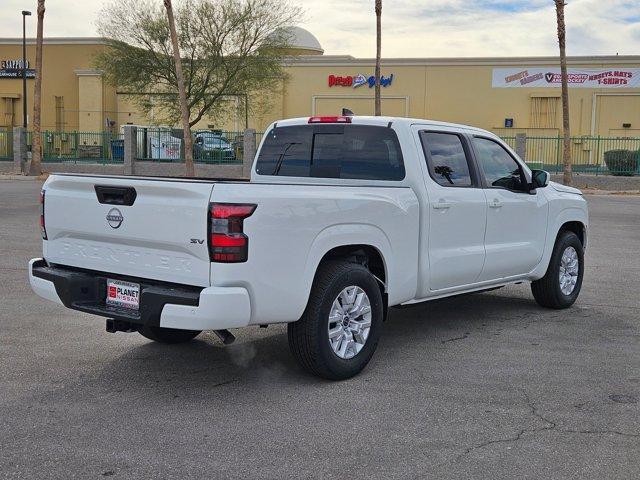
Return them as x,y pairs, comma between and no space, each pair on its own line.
123,294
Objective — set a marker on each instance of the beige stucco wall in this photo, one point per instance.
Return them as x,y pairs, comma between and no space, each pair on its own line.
90,102
464,94
60,62
456,90
452,92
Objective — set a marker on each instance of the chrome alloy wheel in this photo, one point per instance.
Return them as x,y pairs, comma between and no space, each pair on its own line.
349,322
569,269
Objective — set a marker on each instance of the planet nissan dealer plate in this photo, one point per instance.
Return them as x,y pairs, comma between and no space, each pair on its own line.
123,294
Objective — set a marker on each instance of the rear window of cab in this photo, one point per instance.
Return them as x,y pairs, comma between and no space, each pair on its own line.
364,152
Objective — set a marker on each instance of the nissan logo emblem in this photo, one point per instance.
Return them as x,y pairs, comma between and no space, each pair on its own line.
115,218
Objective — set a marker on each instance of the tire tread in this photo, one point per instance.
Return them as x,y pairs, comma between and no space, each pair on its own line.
546,291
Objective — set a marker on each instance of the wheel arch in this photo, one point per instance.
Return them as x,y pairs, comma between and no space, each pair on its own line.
365,244
366,255
577,227
573,219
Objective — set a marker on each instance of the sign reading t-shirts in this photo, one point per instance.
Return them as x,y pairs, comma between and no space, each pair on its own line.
536,77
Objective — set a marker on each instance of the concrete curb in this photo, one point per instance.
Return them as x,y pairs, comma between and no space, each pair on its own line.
605,183
610,192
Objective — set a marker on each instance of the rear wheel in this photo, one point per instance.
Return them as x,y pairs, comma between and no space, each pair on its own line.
168,335
339,330
561,285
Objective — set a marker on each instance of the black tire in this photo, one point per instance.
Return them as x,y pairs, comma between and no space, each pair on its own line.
309,337
168,335
547,291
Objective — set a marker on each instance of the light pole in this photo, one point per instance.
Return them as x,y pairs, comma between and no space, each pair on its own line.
25,13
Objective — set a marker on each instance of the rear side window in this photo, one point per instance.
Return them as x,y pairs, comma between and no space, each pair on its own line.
286,151
332,151
446,159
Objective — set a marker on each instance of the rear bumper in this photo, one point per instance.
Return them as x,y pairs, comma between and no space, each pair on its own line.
161,304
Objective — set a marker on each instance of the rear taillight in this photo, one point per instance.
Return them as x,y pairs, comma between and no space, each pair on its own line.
43,230
227,241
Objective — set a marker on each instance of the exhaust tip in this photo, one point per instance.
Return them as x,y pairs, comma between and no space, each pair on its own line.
225,336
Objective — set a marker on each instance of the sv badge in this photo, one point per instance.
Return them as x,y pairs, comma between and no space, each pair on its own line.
197,240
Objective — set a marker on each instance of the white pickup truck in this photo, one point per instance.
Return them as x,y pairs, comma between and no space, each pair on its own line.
343,218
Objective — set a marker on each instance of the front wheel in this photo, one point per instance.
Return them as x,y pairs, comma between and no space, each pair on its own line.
561,285
339,330
168,335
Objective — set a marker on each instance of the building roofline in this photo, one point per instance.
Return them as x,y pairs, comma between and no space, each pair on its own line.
56,41
340,60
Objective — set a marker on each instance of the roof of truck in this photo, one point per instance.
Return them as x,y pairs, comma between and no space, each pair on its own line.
386,121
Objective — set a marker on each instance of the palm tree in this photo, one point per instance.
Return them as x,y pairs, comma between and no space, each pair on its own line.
566,153
36,150
378,111
182,95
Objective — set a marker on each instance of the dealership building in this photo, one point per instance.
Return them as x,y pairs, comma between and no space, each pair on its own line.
504,95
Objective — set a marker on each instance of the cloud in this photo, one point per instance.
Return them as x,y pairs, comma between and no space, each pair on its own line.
453,28
63,18
413,28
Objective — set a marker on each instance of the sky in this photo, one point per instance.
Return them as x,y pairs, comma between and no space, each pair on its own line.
411,28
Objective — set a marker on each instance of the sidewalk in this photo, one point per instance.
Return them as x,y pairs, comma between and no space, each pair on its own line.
15,177
607,183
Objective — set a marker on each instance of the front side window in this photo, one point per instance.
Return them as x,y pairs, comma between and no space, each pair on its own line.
446,159
499,168
363,152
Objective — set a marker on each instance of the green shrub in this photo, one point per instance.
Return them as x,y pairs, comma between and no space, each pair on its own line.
622,162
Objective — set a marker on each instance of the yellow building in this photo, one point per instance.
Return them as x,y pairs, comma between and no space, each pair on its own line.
505,95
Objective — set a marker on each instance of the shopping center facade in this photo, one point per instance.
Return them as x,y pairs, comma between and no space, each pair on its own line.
504,95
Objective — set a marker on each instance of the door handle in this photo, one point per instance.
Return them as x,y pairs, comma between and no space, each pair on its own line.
495,203
441,205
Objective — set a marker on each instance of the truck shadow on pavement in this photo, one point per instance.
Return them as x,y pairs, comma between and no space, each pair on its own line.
262,356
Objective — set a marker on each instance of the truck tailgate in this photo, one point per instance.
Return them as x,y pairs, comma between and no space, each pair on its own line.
161,235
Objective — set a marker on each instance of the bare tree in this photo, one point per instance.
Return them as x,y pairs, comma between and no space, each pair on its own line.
36,149
182,95
230,48
378,110
566,152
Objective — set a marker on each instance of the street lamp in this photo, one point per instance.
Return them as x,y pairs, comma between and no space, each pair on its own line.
25,13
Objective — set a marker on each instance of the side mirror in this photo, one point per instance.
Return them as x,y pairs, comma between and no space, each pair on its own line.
539,179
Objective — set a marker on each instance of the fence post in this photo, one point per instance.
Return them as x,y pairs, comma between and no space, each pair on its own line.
249,151
598,158
521,146
19,150
559,153
130,149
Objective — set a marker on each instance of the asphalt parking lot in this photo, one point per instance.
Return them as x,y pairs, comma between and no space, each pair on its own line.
483,386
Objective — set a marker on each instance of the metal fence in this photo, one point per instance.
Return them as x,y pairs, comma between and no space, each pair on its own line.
6,145
593,155
259,136
209,146
80,147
